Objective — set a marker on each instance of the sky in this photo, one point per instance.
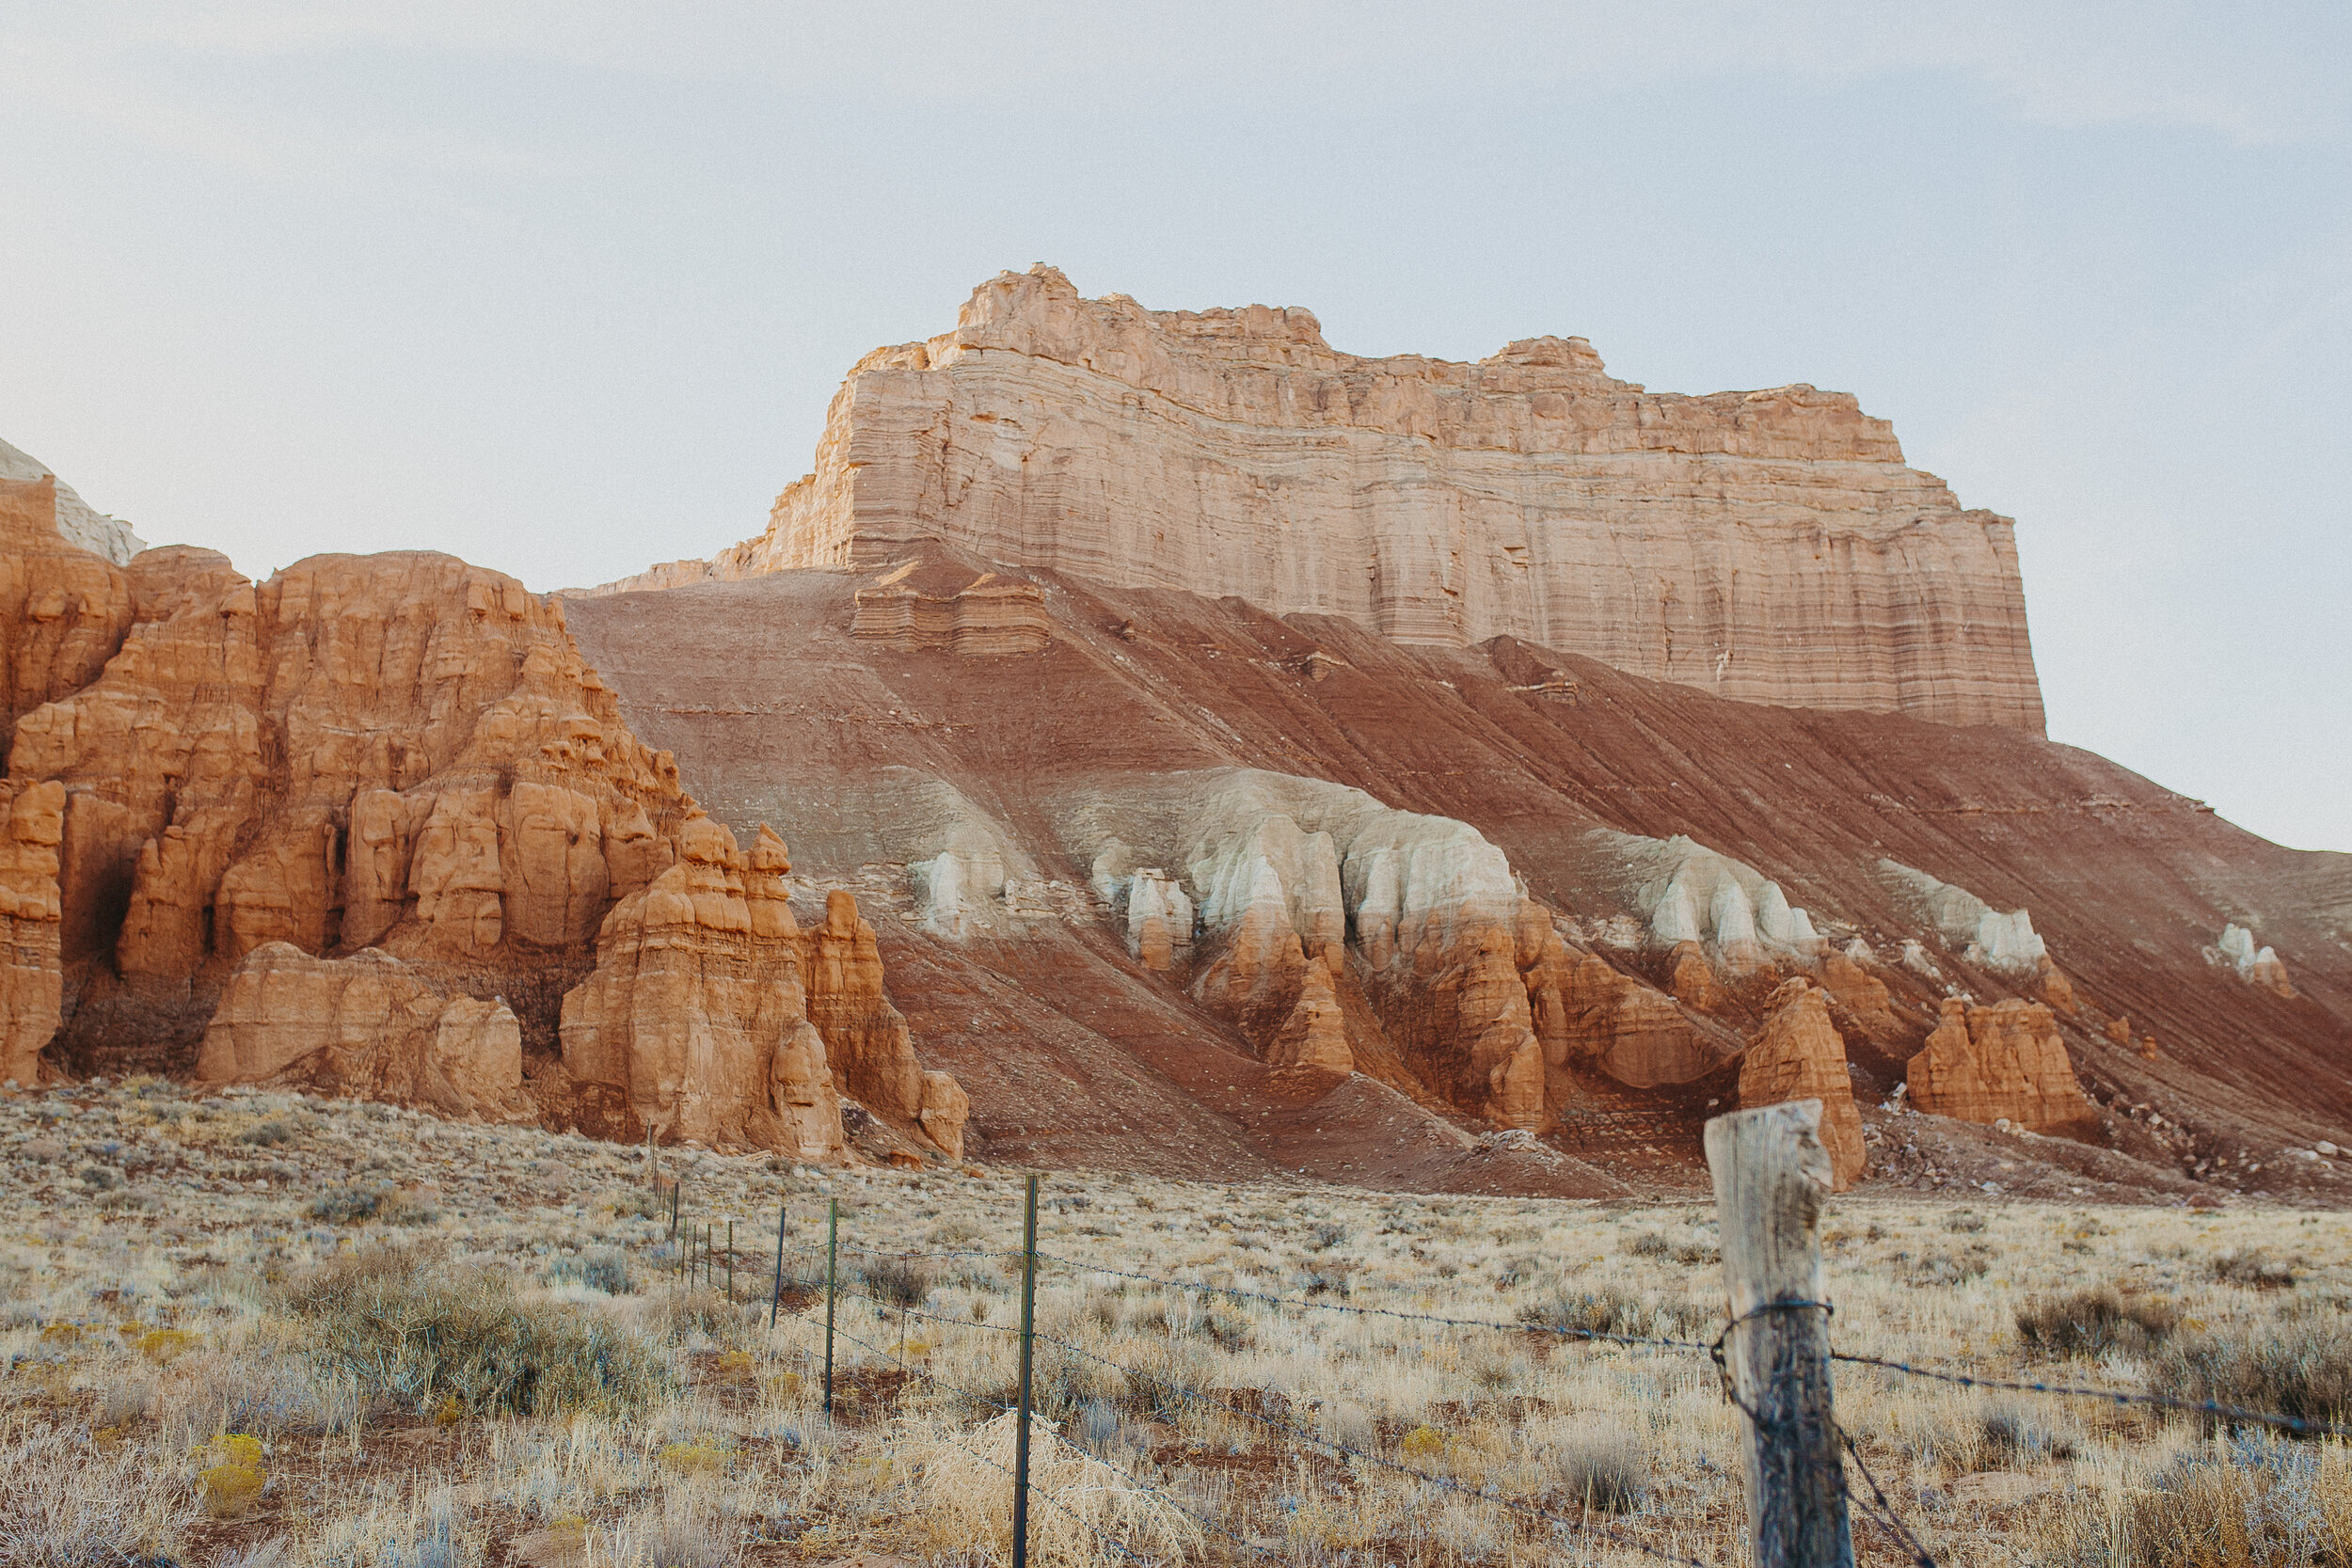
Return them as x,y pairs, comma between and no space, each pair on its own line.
564,289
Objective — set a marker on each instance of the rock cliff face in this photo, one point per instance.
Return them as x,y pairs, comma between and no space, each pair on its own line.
332,822
63,611
1766,546
401,749
32,980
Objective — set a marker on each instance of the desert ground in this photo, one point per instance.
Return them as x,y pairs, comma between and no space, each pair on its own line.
258,1328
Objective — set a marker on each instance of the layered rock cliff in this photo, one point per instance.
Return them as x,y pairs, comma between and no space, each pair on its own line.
1767,546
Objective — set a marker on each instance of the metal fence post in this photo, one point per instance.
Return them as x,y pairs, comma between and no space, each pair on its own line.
1029,1340
1770,1176
775,1294
833,1236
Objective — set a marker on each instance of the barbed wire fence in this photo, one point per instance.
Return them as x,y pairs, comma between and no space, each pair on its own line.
1772,1356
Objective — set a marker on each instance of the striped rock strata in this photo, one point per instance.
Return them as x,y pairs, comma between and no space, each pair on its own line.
1767,546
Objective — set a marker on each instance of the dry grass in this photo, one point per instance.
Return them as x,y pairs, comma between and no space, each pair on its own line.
500,1362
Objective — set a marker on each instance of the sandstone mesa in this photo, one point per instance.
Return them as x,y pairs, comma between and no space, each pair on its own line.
1201,751
1766,546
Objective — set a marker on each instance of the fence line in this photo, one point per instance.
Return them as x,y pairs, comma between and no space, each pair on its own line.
1793,1444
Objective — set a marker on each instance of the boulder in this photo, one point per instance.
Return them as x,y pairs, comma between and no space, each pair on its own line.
368,1026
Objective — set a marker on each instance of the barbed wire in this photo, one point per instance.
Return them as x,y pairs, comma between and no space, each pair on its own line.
2115,1396
1302,1434
1884,1514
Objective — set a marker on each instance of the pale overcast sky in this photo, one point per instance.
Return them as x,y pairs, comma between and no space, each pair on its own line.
564,288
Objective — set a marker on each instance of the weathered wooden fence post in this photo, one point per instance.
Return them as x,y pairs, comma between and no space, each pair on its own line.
1770,1176
1028,1339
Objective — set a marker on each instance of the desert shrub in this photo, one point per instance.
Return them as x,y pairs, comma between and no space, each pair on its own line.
1942,1268
2254,1503
63,1505
635,1203
1613,1309
2092,1321
214,1392
122,1401
605,1269
268,1134
355,1202
2254,1268
1335,1277
1649,1244
1323,1237
697,1310
2014,1437
411,1327
900,1282
2298,1365
1605,1472
688,1533
1966,1222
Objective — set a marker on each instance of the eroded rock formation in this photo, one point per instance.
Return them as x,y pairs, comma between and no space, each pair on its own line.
697,1017
1530,494
399,750
78,523
712,1016
2002,941
2005,1062
63,610
353,806
1799,1055
1346,936
2256,966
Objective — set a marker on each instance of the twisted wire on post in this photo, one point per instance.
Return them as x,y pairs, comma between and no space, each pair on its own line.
1882,1514
1301,1434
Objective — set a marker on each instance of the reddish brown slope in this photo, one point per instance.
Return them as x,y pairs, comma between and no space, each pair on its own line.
855,750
